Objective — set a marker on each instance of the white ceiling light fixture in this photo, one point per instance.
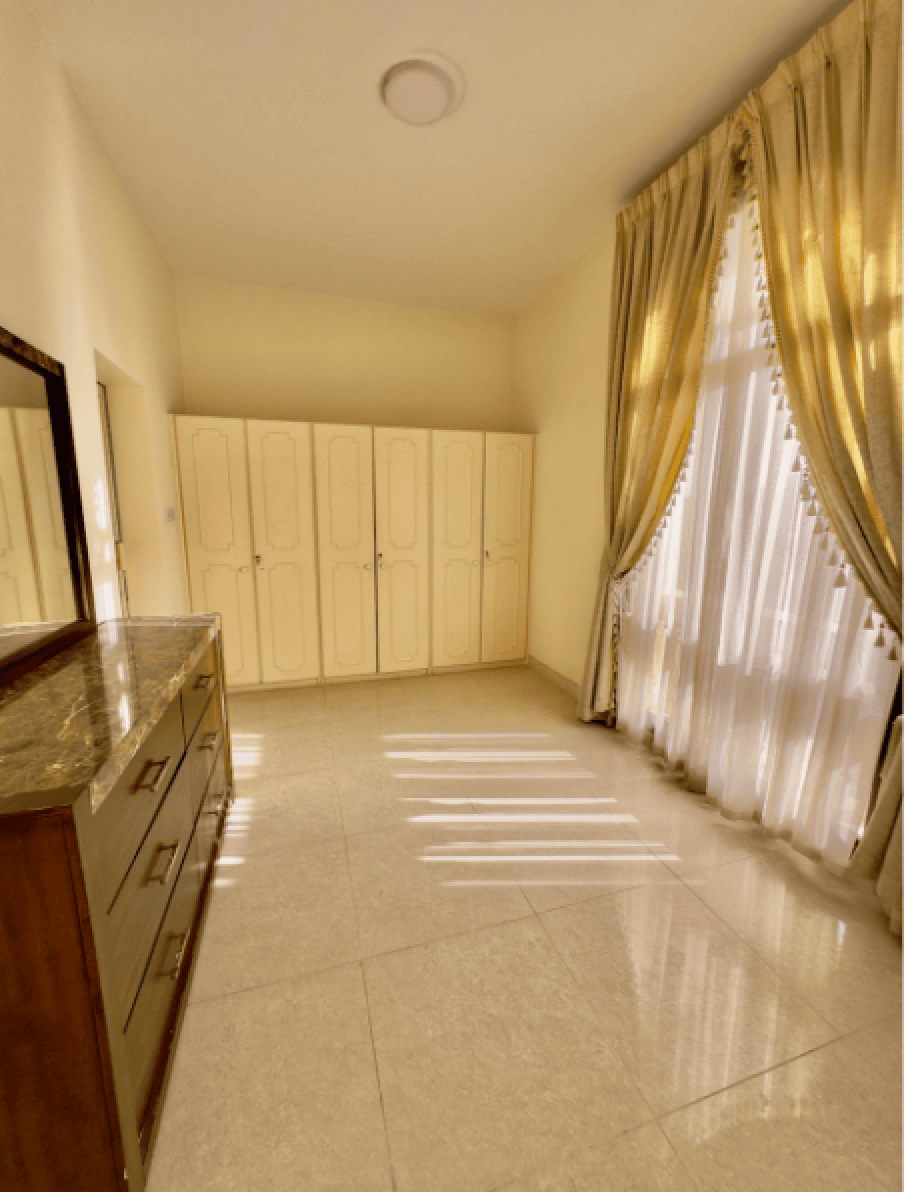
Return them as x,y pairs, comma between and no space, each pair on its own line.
423,88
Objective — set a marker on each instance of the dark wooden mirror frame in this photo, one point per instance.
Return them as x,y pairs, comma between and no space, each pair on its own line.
29,656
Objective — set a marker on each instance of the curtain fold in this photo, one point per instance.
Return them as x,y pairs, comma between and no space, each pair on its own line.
878,856
826,141
666,247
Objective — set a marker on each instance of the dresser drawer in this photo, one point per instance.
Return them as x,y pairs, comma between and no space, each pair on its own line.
136,913
206,744
126,814
197,689
212,808
145,1034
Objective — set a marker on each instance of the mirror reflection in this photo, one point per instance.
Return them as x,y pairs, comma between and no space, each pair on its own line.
35,576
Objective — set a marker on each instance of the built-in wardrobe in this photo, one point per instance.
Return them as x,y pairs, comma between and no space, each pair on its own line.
35,576
338,551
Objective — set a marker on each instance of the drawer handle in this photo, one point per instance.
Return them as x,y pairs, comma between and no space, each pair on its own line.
203,682
145,782
210,740
173,973
164,876
215,805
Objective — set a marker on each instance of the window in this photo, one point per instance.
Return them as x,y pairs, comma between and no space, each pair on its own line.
749,648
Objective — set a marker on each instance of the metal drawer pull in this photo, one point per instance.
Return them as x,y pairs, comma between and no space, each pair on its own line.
145,782
203,682
217,803
210,740
173,850
173,973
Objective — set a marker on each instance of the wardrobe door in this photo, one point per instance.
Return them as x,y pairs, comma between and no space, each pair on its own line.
343,462
285,568
506,543
457,544
19,599
400,487
42,495
218,535
45,510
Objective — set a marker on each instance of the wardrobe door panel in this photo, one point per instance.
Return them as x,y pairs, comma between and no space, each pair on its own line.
42,493
457,545
19,599
217,521
400,483
507,499
343,457
285,568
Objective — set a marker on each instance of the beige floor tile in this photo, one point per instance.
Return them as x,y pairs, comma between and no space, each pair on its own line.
817,934
612,755
280,751
695,839
277,812
288,708
491,1062
403,899
351,702
879,1047
275,1089
517,1054
642,1160
568,860
694,1008
276,916
818,1124
638,922
373,799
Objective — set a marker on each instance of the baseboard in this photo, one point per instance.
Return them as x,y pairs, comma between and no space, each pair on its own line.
567,685
380,676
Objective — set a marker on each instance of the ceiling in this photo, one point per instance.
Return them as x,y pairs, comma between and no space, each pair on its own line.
252,138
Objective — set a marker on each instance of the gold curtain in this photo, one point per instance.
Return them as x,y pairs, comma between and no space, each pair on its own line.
667,242
878,855
826,143
826,138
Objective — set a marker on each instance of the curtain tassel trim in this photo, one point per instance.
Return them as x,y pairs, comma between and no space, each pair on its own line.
822,534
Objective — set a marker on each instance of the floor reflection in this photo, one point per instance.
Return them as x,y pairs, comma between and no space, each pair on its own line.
721,976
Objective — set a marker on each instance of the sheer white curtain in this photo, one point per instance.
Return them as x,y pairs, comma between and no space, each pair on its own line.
748,646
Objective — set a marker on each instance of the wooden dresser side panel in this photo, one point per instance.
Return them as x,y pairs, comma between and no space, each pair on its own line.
56,1125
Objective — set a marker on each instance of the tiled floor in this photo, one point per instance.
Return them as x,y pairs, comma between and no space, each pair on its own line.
460,942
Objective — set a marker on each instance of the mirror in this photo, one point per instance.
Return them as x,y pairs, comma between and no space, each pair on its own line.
45,591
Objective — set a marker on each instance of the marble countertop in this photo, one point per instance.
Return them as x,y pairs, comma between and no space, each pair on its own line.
77,720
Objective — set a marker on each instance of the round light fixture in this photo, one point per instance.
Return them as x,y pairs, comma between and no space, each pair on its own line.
423,88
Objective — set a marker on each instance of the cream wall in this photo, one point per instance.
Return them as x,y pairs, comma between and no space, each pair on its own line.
258,352
560,365
79,274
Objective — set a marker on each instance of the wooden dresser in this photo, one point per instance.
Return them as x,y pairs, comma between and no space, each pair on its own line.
115,776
